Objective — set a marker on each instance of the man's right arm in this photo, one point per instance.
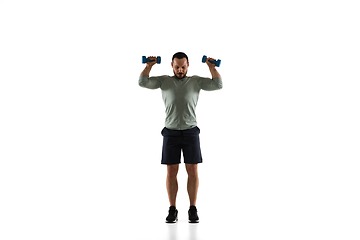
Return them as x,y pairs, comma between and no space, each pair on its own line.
148,66
147,82
146,71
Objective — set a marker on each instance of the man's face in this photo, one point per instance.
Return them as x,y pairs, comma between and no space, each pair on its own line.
180,67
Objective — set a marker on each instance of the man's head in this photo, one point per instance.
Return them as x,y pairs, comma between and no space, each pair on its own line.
180,64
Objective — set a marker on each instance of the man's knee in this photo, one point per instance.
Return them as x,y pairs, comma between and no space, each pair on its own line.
191,170
172,170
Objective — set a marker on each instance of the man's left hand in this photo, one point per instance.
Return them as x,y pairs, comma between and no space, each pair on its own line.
211,65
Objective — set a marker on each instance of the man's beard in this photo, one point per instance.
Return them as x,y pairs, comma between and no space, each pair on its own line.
180,76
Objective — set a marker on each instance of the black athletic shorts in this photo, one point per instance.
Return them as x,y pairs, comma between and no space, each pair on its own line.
176,140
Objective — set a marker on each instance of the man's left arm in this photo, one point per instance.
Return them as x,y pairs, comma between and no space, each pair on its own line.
209,84
213,70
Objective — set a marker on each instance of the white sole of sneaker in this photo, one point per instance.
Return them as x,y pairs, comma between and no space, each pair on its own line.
172,221
193,221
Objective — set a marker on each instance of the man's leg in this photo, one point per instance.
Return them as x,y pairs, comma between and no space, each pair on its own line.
171,183
193,182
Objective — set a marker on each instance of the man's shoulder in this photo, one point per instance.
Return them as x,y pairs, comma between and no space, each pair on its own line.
160,78
197,77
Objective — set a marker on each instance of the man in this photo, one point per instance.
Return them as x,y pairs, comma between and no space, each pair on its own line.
180,94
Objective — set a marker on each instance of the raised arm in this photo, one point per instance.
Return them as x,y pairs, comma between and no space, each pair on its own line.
148,66
213,71
211,84
144,79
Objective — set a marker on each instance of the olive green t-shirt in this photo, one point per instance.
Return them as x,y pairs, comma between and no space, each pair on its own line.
180,97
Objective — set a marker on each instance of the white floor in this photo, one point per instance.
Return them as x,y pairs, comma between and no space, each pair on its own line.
89,206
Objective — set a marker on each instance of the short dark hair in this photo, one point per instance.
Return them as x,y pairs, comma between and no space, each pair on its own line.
180,55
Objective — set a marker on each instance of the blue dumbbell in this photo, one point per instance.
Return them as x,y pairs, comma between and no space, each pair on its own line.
145,60
217,62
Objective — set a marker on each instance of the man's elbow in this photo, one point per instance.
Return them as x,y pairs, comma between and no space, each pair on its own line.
218,82
142,80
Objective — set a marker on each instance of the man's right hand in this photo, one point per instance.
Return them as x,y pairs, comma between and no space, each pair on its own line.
148,66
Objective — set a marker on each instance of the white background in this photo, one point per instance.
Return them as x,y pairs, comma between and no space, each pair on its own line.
80,142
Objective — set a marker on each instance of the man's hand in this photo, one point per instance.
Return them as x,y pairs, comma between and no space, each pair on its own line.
210,65
213,71
150,64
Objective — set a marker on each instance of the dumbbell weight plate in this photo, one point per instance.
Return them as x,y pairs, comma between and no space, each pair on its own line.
204,59
218,63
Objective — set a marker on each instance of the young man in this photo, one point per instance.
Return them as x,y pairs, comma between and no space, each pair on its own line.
180,94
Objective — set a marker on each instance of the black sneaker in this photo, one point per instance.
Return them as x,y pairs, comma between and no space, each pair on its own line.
193,217
172,217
